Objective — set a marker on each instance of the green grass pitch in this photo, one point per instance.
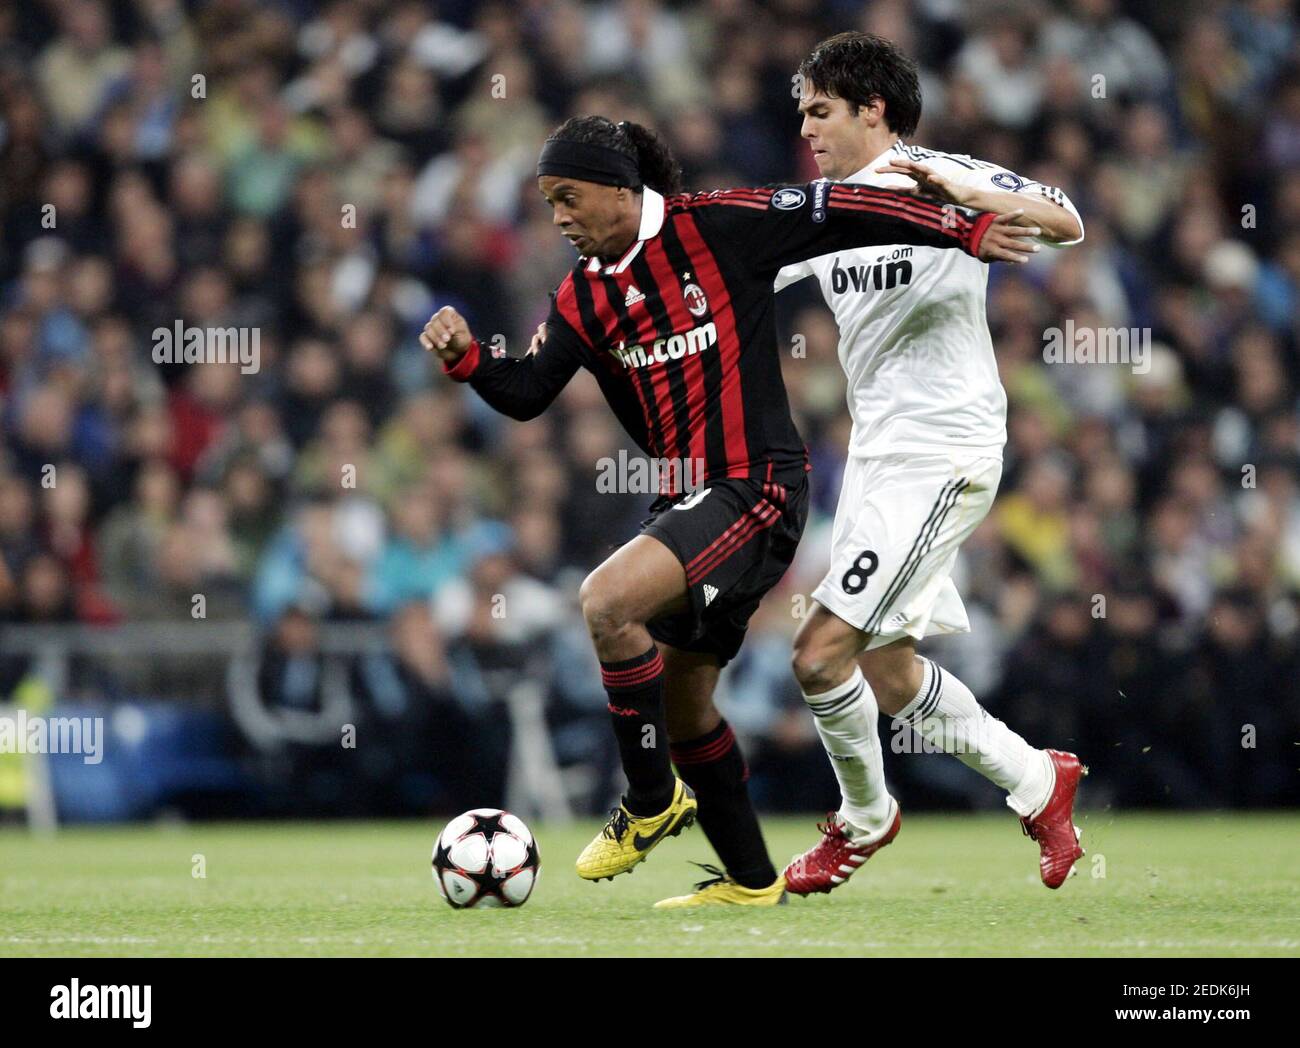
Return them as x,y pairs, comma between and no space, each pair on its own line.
1159,885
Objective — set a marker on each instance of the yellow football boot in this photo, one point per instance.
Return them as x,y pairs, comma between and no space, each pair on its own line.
721,890
627,838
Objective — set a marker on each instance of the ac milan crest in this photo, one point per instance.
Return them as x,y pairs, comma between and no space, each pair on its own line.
696,302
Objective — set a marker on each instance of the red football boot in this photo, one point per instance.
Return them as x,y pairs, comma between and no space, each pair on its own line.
831,861
1053,827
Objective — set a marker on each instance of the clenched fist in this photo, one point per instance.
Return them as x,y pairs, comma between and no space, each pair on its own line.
446,334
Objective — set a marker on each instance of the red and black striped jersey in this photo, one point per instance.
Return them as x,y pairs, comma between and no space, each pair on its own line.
680,331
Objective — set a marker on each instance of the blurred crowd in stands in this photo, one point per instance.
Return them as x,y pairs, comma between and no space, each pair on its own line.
330,173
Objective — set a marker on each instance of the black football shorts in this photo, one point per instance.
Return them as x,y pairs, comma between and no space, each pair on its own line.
735,538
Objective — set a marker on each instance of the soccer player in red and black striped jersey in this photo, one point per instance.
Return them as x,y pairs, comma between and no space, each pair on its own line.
670,307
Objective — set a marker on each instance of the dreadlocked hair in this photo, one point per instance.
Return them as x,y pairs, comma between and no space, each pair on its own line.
655,163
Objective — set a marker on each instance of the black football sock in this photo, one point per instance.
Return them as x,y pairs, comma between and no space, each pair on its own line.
636,706
714,768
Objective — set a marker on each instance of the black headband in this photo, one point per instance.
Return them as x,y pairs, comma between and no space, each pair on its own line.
587,162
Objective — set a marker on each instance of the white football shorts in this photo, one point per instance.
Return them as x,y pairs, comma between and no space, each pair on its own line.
898,525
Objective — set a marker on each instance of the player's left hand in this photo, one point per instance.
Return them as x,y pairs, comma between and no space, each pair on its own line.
1006,241
927,183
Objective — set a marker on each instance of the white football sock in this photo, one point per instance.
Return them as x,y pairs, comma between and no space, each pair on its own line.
945,712
846,719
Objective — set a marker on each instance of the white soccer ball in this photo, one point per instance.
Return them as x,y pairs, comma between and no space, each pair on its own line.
486,857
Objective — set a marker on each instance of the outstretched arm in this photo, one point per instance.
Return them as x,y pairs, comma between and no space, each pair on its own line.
775,227
521,388
1059,224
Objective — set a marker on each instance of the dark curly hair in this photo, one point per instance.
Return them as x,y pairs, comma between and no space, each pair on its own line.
655,162
858,67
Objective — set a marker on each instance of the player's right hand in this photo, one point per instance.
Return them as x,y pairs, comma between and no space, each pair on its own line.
1007,241
539,339
447,334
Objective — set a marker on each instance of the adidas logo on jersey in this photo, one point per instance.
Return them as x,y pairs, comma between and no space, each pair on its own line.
709,593
634,295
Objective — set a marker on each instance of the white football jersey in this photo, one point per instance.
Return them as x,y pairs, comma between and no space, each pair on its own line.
914,338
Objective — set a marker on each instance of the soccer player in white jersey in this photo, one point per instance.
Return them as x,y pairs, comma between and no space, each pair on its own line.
924,460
